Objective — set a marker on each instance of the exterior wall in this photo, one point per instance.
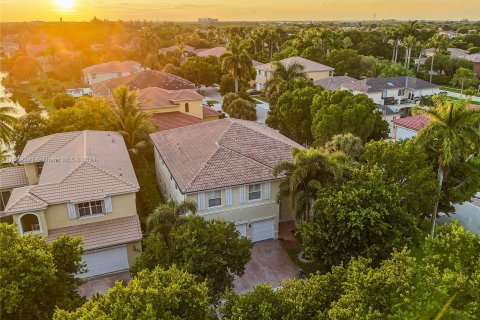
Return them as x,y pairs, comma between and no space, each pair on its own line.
211,118
286,211
165,182
31,173
41,219
240,213
195,108
401,133
317,75
122,206
426,92
133,251
99,77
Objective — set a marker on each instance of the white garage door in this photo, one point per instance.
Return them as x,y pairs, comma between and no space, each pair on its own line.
105,261
263,230
242,229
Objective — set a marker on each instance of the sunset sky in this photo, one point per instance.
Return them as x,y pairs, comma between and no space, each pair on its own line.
189,10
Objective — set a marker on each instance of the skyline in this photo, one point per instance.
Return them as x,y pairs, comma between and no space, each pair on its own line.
229,10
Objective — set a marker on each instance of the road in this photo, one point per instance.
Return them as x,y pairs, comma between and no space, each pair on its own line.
467,213
462,96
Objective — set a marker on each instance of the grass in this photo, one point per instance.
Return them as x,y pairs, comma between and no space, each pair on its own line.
457,90
308,268
212,102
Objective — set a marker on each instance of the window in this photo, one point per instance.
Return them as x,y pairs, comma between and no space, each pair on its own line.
87,209
254,192
94,76
187,107
4,196
214,199
401,92
39,166
384,94
29,223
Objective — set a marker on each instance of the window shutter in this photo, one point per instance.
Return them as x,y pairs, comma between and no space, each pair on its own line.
267,186
72,212
108,205
228,197
243,194
201,201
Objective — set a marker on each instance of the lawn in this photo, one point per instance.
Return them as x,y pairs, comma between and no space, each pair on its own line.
457,90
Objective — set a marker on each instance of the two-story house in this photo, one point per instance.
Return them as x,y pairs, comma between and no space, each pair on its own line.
225,166
80,184
109,70
314,70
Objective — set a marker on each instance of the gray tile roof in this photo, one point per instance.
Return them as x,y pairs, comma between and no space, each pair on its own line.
12,177
380,84
102,234
222,153
78,166
334,83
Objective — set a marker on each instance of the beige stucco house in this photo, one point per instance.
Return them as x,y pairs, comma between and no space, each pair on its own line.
109,70
81,184
225,166
314,70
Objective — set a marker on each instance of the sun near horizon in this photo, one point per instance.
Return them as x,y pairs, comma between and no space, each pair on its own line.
231,10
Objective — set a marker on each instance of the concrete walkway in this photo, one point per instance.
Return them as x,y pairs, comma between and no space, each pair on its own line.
102,284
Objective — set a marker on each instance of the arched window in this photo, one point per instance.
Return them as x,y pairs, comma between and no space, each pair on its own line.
29,222
187,107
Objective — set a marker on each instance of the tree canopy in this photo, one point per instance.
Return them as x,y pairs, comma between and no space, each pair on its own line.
36,276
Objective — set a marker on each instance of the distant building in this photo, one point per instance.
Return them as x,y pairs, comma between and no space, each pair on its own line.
79,92
109,70
450,34
314,70
8,49
207,20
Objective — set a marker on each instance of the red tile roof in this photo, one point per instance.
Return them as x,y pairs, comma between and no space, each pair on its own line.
154,97
210,112
413,123
172,120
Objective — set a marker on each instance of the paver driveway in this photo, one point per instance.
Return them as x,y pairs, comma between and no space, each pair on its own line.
270,264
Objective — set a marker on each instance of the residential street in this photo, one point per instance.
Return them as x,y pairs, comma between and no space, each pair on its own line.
467,213
458,95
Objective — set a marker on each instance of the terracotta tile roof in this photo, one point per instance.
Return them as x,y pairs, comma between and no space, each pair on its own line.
142,80
13,177
172,120
222,153
415,123
308,65
209,112
216,52
155,97
473,107
113,66
102,234
91,165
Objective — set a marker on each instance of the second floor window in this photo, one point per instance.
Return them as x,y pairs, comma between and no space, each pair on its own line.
187,107
254,192
214,198
39,166
86,209
384,94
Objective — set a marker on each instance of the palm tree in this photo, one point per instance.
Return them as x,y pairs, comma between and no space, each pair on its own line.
133,123
148,43
236,61
310,170
437,42
346,143
453,135
283,77
7,120
168,215
409,42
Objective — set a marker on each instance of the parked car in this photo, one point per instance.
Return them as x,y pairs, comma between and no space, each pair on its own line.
253,92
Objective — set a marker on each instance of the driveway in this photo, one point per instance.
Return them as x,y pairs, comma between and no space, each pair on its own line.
468,213
102,284
270,264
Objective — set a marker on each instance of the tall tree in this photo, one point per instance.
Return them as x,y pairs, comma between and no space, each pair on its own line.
148,44
7,120
242,109
438,42
409,42
310,170
465,78
35,276
30,126
168,215
282,79
453,135
236,61
132,121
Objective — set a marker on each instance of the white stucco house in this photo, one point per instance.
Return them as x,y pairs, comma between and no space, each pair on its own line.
408,127
314,70
109,70
225,166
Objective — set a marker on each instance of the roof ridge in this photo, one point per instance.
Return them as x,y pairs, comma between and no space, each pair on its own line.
211,156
